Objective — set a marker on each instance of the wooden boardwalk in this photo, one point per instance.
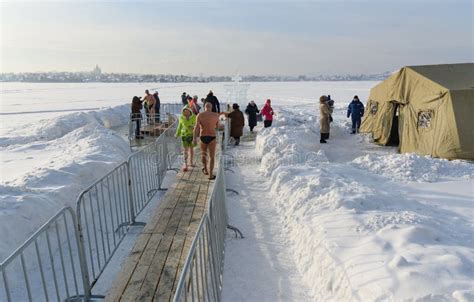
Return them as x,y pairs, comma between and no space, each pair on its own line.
152,269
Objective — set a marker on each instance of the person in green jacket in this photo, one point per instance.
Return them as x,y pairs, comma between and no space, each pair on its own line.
185,129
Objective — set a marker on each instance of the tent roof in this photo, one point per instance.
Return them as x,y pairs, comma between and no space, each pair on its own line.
450,76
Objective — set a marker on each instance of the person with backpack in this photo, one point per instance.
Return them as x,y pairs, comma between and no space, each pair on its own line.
356,111
252,111
267,112
185,130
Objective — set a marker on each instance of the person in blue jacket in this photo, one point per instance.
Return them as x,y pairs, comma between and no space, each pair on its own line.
356,111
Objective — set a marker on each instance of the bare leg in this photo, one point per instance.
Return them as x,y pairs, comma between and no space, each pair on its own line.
185,159
204,156
191,156
212,155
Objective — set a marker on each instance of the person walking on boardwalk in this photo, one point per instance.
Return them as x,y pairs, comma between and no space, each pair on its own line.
157,106
267,112
186,124
237,123
252,111
211,98
356,111
206,124
150,101
137,105
324,118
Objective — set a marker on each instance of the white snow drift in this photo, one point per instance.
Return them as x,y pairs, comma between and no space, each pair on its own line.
359,229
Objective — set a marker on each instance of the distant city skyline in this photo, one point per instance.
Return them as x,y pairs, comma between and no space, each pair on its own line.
226,38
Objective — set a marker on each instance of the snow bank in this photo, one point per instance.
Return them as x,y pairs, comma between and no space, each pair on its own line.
358,231
46,164
412,167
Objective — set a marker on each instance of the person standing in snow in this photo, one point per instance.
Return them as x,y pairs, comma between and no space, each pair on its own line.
267,112
137,105
211,98
324,118
237,123
356,111
157,106
252,111
186,124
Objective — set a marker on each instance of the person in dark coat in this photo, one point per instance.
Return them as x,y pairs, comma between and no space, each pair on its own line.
184,99
137,105
211,98
356,111
157,106
252,111
237,123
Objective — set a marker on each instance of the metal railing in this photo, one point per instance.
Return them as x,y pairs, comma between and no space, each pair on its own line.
50,264
107,208
152,125
201,277
67,255
103,216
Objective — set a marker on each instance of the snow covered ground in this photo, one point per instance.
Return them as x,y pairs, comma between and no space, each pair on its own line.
57,138
346,221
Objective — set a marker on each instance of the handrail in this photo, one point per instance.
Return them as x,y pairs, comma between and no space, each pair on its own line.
48,269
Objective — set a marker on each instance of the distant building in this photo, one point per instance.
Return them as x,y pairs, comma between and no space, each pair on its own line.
96,72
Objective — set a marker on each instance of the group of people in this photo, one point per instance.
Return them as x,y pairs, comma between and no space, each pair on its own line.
193,102
152,104
355,110
195,126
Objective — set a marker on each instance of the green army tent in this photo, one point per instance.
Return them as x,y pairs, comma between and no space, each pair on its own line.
427,109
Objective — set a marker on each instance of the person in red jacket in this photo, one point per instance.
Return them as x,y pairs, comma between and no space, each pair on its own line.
267,112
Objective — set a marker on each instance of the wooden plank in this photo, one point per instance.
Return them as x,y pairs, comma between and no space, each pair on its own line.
154,276
167,203
136,280
129,265
152,269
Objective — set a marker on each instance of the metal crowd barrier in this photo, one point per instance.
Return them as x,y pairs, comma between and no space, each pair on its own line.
67,255
152,125
103,216
107,208
201,277
50,263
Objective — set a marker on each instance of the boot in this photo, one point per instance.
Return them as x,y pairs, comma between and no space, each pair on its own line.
322,141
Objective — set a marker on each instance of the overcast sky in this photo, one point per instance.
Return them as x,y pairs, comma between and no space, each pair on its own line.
226,37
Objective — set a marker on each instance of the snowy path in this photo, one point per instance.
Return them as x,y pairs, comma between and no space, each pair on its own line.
259,267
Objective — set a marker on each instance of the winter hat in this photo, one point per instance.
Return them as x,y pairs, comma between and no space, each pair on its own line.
235,106
268,101
323,99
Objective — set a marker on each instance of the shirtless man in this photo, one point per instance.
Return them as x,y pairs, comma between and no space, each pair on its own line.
206,124
150,100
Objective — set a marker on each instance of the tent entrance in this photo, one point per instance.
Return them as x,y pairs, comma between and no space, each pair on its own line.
394,139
